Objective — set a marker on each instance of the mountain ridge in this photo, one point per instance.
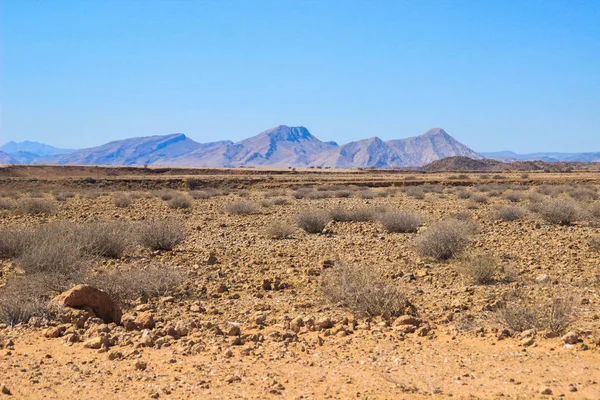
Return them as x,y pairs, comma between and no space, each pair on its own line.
281,146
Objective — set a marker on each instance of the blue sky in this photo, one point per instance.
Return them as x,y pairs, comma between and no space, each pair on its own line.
519,75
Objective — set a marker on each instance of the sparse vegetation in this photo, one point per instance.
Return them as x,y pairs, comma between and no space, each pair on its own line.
121,200
280,230
553,317
479,269
402,222
36,206
313,221
242,208
561,211
444,239
510,213
180,202
365,291
161,234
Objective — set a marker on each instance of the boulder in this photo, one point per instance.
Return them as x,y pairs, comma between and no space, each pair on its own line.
85,296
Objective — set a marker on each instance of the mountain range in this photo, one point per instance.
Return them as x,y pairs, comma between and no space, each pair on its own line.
282,146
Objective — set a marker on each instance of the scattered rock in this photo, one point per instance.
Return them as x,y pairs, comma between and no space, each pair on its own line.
141,365
545,390
5,390
571,338
145,321
97,300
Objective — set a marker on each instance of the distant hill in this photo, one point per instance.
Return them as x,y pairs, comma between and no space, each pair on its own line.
282,146
5,158
28,152
510,156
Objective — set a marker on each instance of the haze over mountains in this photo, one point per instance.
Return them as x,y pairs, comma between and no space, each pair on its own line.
282,146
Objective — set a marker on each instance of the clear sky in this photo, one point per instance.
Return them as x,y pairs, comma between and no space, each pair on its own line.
497,75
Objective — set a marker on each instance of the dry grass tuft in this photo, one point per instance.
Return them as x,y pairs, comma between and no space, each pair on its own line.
364,290
479,269
137,281
553,317
242,208
313,221
180,202
402,222
161,234
510,213
561,211
36,206
280,230
121,200
444,239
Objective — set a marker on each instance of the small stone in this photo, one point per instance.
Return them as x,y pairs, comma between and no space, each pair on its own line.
94,343
526,342
5,390
212,260
141,365
145,321
234,330
545,390
571,338
407,320
228,353
296,324
542,278
325,323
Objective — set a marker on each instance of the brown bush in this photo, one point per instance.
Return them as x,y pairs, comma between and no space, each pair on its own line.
21,299
162,234
561,212
464,194
313,221
201,194
136,281
480,198
479,269
193,183
105,239
13,243
36,206
514,196
444,239
6,204
180,202
363,214
415,192
242,208
510,213
402,222
281,202
279,230
121,200
55,248
165,194
365,291
553,317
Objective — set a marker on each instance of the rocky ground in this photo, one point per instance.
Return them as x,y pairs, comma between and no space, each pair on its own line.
251,321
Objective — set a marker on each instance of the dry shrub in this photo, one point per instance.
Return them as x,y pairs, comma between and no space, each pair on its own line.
301,193
513,196
313,221
595,243
36,206
364,214
319,195
193,183
203,194
265,203
583,194
415,192
36,195
275,193
280,202
137,281
55,248
366,194
594,211
6,204
121,200
479,269
105,239
561,211
242,208
165,194
554,316
402,222
91,194
342,193
364,290
510,213
480,198
180,202
463,194
444,239
13,243
280,230
161,234
21,299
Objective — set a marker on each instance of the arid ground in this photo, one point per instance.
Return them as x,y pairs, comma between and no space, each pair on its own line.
298,284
